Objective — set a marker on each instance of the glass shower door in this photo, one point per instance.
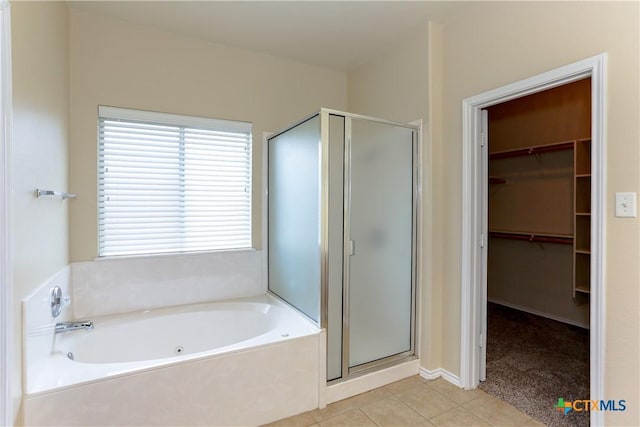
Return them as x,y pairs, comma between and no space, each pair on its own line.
379,241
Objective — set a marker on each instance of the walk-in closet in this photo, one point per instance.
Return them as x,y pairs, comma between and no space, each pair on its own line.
539,198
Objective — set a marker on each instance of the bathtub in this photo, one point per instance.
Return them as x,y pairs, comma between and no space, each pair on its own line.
242,362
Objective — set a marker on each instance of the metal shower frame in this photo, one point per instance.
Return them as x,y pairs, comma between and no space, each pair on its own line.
325,113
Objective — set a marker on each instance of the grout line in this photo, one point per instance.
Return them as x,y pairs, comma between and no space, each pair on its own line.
367,416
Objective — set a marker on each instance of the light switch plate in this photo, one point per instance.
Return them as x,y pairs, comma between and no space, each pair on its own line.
626,205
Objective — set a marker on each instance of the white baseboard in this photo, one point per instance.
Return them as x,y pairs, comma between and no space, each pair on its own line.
440,373
539,313
370,381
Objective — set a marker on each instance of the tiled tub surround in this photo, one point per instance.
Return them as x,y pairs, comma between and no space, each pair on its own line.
264,377
274,374
38,323
122,285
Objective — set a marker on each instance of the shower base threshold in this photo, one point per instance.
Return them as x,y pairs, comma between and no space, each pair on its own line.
371,380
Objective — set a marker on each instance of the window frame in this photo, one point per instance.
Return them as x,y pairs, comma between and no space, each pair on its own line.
184,123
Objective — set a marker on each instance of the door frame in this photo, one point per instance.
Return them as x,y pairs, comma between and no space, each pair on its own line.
473,274
6,273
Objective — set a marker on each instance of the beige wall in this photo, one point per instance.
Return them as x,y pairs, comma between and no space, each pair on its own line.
119,64
40,44
394,85
431,332
494,44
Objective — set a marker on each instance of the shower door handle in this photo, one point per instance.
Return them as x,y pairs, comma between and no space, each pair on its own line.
352,247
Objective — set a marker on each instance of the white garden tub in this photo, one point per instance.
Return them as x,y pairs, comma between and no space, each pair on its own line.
242,362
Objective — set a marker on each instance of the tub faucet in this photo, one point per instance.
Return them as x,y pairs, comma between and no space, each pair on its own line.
63,327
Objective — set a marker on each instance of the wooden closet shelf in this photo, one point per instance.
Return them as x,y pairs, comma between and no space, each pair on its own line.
563,239
584,290
583,213
538,149
497,180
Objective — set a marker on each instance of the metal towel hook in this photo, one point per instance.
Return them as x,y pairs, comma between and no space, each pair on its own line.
39,193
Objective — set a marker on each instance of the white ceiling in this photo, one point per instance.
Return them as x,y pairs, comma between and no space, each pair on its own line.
340,35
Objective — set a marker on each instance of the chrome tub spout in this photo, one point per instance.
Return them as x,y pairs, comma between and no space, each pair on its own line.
63,327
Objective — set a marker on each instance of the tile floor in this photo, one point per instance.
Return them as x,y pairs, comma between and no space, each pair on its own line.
414,401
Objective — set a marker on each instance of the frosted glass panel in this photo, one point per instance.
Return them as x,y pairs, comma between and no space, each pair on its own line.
381,229
294,217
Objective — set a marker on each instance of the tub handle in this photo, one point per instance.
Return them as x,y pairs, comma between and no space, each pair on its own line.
58,301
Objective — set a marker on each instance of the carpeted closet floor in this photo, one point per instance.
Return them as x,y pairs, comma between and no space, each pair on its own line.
532,361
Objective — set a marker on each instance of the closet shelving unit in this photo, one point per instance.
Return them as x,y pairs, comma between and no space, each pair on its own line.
581,237
582,220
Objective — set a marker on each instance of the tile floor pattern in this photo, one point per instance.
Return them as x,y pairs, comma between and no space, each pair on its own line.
414,401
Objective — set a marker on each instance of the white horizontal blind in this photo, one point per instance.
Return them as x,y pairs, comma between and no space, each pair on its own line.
169,183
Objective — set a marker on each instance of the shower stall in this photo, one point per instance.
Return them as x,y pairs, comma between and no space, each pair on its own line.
343,199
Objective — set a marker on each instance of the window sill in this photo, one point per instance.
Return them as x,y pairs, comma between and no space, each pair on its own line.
173,254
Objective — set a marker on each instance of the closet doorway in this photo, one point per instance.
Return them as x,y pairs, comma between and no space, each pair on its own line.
538,256
474,222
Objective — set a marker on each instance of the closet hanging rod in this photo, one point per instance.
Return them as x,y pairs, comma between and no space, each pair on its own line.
532,237
39,193
526,151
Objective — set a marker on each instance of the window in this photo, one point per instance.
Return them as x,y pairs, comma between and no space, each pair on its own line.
169,183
